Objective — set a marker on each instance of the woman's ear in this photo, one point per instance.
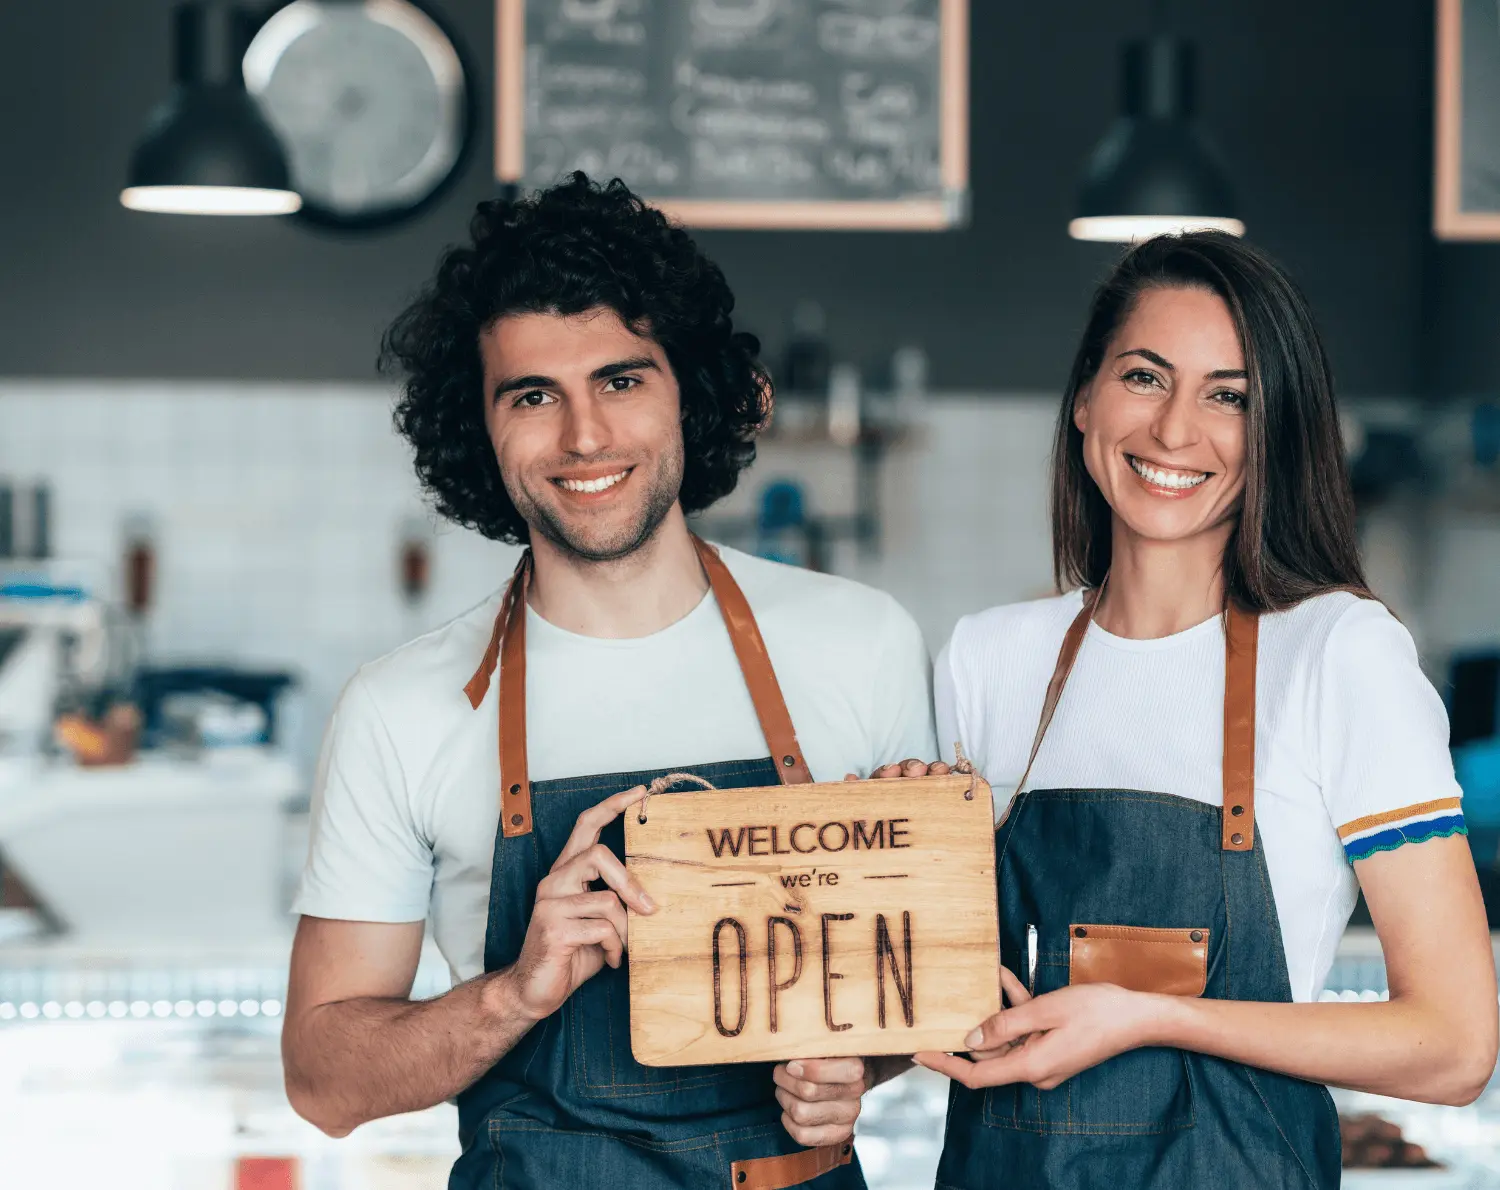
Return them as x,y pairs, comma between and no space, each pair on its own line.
1081,409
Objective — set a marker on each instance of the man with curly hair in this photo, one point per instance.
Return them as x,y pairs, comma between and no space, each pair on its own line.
572,380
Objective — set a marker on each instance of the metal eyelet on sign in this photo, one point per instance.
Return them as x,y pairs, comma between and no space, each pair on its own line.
1196,935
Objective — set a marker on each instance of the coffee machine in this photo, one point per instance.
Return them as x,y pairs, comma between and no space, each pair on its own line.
60,647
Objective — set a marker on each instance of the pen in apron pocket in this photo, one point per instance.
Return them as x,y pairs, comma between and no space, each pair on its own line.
1031,958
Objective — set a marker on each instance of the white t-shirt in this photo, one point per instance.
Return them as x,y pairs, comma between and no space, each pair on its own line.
406,800
1351,744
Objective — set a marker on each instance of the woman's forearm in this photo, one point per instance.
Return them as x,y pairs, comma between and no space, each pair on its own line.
1406,1049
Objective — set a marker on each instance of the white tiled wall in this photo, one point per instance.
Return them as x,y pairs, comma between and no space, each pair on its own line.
278,510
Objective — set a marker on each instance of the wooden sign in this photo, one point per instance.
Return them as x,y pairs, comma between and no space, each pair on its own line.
805,921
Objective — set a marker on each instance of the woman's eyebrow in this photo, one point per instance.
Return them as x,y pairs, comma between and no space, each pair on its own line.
1147,353
1227,374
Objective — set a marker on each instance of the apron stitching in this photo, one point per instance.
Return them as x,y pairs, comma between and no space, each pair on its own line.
1297,1157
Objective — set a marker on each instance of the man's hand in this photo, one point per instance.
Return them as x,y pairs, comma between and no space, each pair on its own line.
820,1097
573,931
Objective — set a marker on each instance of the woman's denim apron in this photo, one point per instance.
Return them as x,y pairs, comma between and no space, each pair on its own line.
1068,860
569,1108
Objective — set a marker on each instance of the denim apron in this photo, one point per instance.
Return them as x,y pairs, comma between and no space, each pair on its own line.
569,1108
1076,865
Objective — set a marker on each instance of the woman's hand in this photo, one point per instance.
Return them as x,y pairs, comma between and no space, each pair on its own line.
819,1098
907,768
1045,1040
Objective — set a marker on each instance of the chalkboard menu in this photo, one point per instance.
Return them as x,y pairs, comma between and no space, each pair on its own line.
743,113
1467,185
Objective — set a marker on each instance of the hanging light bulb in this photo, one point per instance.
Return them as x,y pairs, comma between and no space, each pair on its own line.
208,150
1153,172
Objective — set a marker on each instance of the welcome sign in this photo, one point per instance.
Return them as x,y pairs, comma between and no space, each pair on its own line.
813,920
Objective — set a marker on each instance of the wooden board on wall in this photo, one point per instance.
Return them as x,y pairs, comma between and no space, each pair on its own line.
743,113
813,921
1466,189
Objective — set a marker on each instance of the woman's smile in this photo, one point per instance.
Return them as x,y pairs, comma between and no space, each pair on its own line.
1161,480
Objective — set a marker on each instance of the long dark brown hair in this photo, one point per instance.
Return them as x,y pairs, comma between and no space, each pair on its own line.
1295,536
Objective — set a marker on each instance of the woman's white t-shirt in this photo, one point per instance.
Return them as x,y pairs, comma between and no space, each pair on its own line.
406,800
1351,743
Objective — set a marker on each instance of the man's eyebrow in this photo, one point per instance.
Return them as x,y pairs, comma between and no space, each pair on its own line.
1147,353
515,383
634,364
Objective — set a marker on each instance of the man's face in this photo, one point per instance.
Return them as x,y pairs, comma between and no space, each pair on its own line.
585,418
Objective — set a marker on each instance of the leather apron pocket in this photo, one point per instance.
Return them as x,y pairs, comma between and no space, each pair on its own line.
1172,962
1142,1092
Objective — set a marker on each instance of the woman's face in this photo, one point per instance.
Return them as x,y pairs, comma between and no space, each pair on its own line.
1163,420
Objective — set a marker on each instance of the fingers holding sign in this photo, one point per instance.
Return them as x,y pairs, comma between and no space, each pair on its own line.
820,1098
911,767
1045,1040
574,929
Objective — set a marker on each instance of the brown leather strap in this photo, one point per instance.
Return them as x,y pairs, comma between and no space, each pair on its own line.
1241,643
1241,636
755,664
1072,642
777,1173
507,649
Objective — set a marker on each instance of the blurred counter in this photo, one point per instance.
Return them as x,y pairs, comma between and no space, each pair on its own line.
166,849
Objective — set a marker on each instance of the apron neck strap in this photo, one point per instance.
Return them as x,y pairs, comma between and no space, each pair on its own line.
507,650
1241,638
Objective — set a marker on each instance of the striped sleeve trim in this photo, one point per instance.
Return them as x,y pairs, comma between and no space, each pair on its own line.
1411,824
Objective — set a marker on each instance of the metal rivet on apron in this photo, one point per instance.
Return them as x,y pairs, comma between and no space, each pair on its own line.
1196,935
516,819
845,1151
1080,932
740,1177
1236,839
788,761
515,789
1237,810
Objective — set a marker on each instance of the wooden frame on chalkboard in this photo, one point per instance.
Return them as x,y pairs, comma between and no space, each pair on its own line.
1450,220
917,214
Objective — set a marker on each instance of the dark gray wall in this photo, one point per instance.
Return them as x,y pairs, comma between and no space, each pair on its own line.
1322,109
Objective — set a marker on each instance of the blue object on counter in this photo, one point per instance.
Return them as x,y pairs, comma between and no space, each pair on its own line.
33,587
1477,767
781,526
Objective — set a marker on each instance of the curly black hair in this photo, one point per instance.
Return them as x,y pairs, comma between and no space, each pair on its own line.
574,247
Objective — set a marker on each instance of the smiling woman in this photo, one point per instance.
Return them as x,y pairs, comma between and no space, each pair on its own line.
1228,719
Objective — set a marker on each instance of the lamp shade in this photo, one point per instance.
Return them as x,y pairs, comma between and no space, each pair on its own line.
207,149
1154,172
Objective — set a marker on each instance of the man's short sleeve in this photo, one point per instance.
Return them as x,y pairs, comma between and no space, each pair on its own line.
366,859
1384,765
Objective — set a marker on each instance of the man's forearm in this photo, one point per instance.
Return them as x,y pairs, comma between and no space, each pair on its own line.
352,1061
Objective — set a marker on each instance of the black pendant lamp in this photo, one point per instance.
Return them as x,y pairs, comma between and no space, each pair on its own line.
208,150
1153,172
